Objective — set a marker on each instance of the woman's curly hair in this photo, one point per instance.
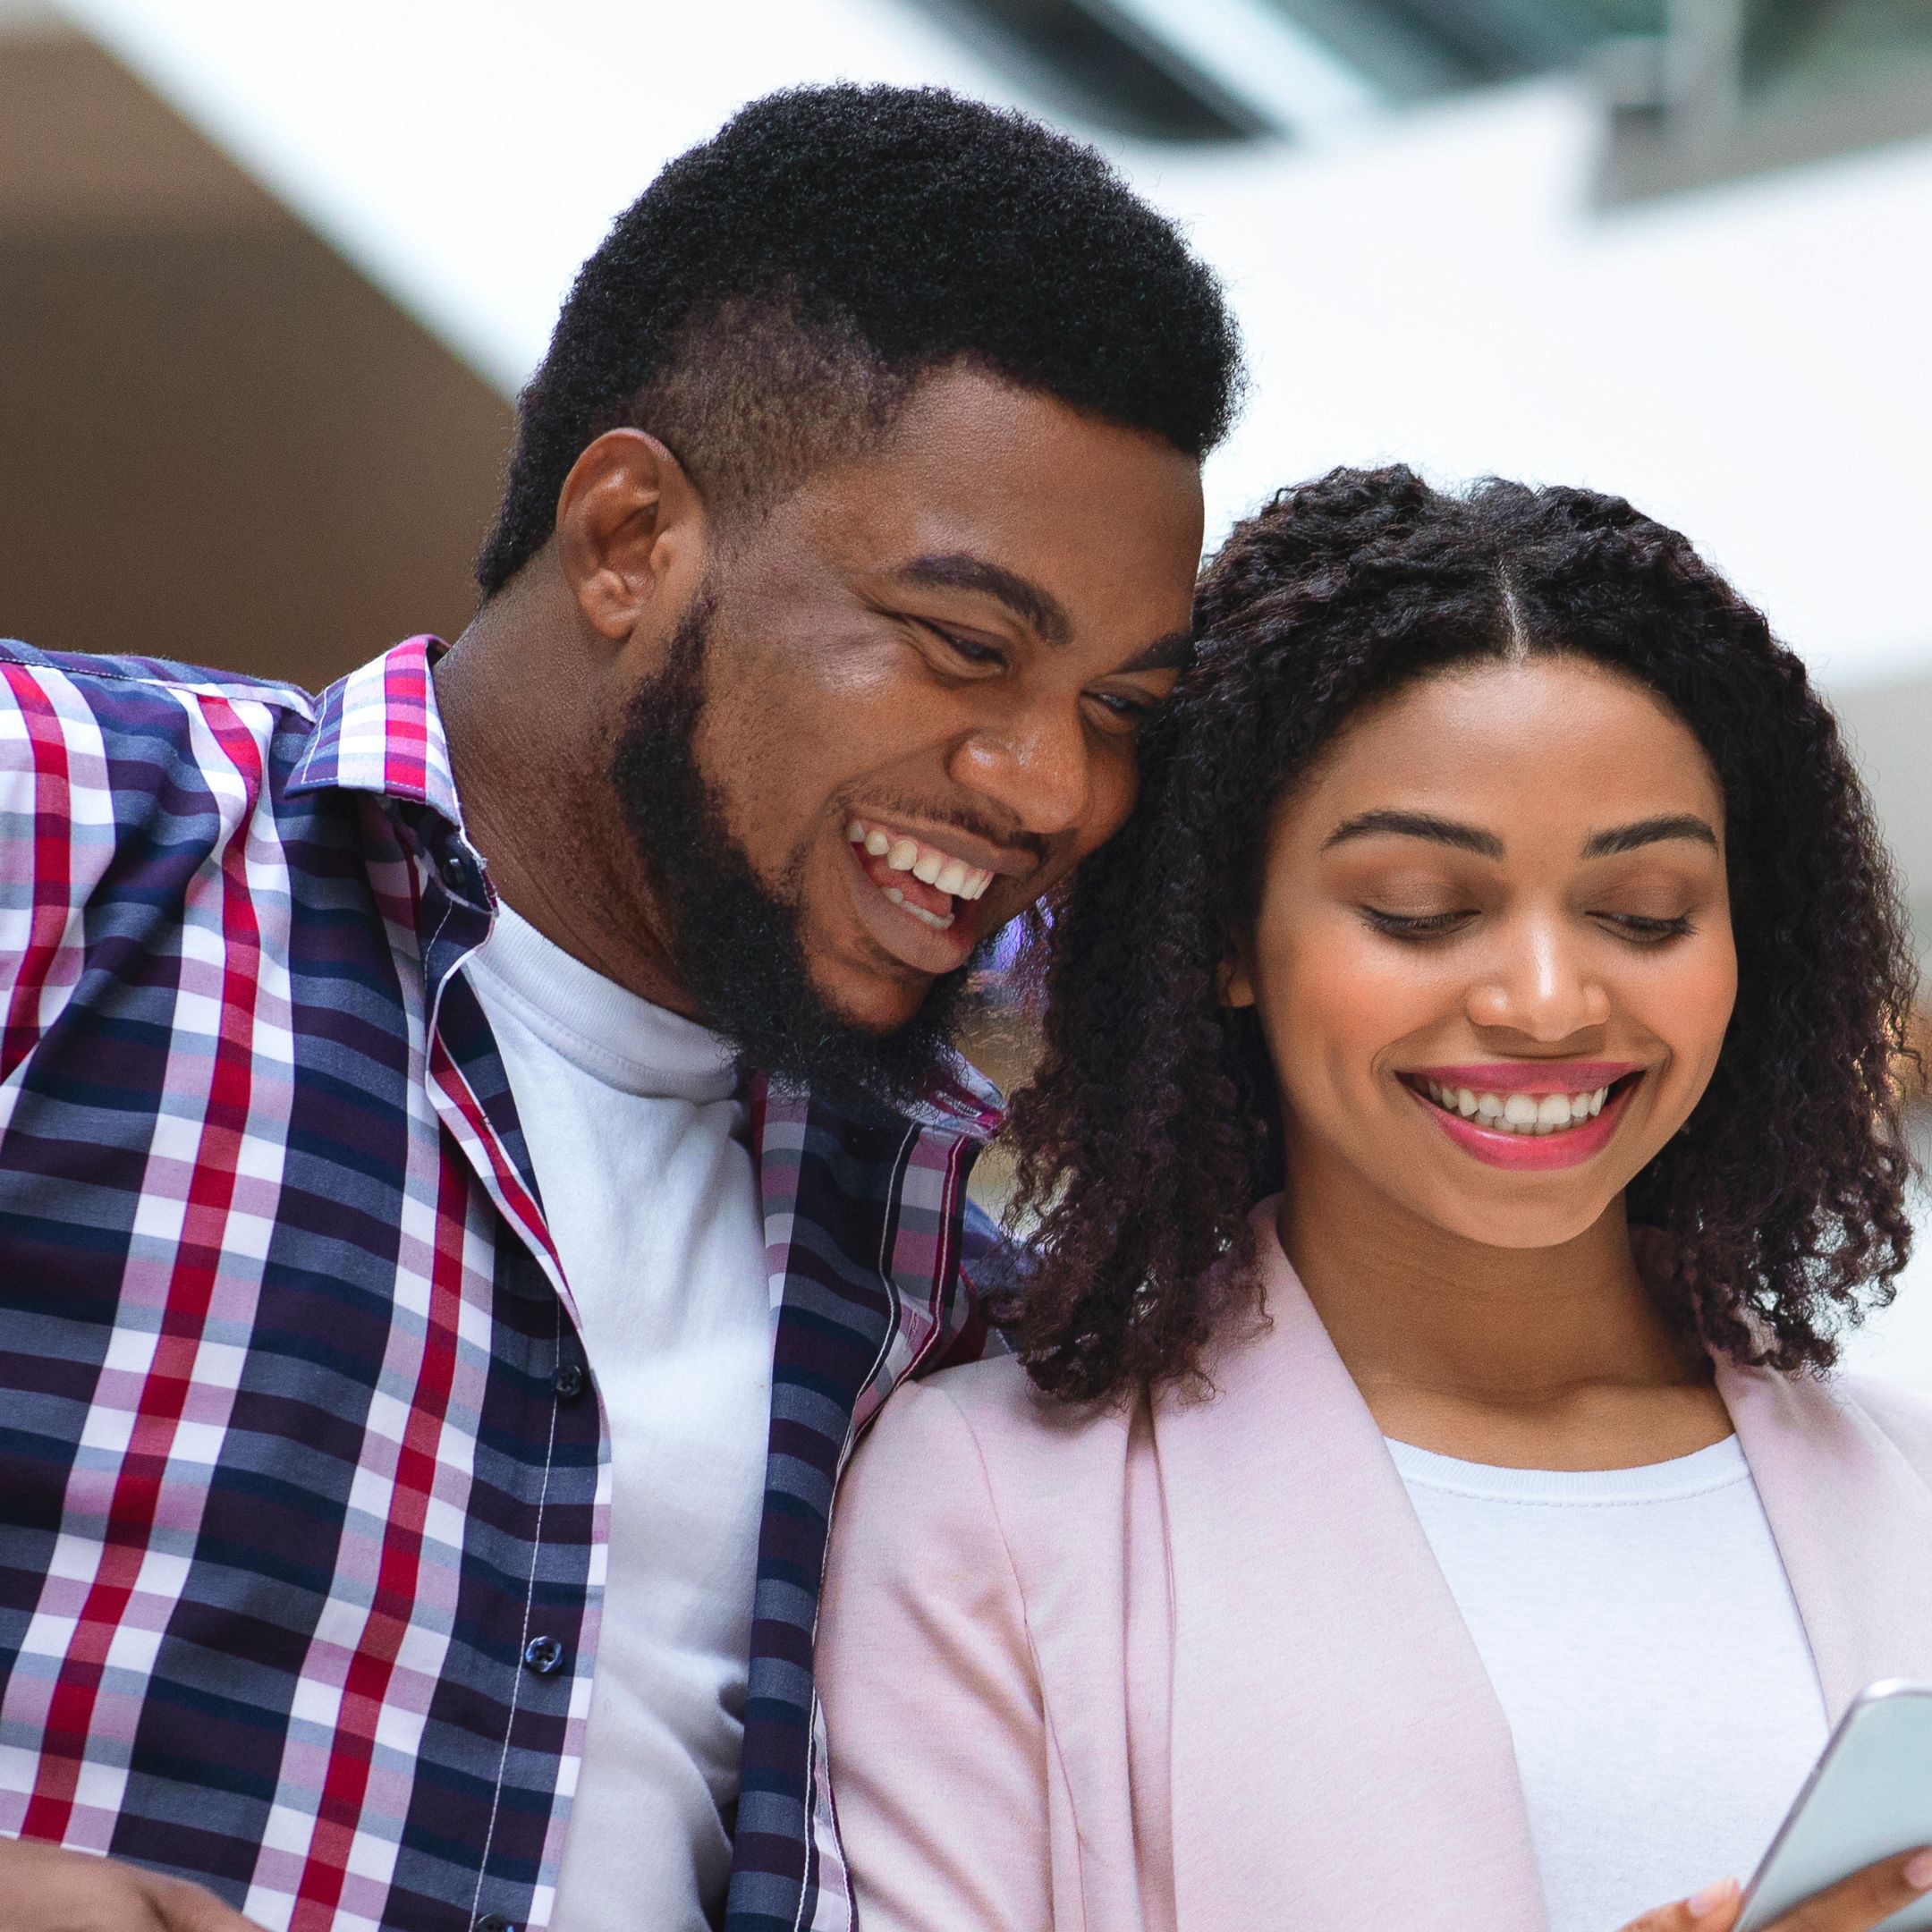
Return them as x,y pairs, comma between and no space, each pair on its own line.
1152,1128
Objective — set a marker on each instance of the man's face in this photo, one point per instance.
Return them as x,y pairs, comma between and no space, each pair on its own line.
922,679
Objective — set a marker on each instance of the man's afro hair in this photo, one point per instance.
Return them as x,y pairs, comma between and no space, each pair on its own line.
767,302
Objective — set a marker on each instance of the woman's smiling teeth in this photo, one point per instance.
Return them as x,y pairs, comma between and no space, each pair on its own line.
1517,1112
931,866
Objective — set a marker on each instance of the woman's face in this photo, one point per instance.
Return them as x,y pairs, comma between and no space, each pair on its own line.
1493,959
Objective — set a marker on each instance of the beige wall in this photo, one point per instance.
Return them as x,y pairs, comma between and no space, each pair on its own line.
218,441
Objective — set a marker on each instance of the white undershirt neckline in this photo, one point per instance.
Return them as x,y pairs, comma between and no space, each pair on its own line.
1641,1637
1717,1466
638,1140
605,1030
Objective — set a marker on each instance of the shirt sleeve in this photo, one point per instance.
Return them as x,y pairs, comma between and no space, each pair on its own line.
937,1740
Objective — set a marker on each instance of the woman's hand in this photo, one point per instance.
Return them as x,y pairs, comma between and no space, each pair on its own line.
1865,1899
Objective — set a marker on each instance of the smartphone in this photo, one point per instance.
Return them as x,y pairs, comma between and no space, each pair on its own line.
1868,1796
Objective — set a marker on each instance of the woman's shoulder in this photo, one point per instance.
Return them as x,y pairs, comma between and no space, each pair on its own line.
1837,1415
1901,1413
980,1436
994,1391
994,1404
969,1497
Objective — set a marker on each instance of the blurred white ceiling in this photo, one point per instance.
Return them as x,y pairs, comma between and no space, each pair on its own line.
1747,360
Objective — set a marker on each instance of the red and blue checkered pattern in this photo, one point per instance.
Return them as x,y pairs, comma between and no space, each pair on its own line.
291,1477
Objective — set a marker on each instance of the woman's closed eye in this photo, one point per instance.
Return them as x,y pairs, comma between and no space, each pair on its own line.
1418,925
1639,927
1644,929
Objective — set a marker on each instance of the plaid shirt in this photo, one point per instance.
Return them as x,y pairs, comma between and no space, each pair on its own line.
304,1487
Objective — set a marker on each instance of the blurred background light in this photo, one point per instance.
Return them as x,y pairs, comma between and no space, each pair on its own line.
271,275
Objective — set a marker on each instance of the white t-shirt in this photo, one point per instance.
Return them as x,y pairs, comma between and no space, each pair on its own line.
640,1156
1643,1641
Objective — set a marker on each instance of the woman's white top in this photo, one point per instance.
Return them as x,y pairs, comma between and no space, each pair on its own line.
1642,1639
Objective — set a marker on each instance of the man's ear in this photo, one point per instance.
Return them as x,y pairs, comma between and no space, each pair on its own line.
1235,978
630,531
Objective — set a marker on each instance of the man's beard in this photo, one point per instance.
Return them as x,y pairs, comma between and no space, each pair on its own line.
735,942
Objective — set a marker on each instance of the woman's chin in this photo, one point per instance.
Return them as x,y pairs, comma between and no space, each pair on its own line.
1499,1216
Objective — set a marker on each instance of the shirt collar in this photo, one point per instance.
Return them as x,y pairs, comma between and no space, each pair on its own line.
961,1100
378,730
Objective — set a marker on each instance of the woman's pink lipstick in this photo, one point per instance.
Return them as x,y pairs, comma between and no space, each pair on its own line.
1567,1147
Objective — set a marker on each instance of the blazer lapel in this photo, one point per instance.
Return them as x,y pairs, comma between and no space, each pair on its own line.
1852,1520
1339,1758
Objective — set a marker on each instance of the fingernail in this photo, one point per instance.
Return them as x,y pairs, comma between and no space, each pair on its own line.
1702,1905
1918,1873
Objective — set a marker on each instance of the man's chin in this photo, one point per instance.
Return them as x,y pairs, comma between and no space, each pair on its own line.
864,1048
873,1005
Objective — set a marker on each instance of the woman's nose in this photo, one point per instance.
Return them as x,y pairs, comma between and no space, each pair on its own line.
1539,986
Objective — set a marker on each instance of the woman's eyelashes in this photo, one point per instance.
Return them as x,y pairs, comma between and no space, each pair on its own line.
1637,928
1416,925
1645,930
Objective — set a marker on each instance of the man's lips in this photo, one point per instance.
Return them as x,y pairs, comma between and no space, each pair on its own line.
920,891
933,876
929,945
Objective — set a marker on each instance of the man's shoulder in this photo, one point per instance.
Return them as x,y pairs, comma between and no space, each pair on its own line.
106,681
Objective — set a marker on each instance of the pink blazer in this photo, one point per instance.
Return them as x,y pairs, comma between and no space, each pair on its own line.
1193,1667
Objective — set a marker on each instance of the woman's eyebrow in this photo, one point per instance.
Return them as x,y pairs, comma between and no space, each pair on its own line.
1648,832
1466,838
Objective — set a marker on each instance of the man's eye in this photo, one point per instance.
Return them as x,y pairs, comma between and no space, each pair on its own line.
1124,712
1415,925
979,655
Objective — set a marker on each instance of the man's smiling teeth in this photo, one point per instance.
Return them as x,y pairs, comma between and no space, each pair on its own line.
1517,1112
918,912
927,863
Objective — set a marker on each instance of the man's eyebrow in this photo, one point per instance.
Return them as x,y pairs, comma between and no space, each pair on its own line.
958,570
1648,832
1466,838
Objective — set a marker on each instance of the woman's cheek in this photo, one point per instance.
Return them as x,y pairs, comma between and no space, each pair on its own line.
1331,1012
1691,1010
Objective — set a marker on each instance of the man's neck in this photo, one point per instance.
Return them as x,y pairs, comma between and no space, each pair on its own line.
529,753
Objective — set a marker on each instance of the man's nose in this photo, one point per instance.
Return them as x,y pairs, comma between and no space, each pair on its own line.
1035,766
1539,983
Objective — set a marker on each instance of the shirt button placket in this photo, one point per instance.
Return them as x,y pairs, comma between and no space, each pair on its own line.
542,1655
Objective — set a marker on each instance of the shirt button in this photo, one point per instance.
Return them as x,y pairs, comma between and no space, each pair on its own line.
496,1922
569,1381
542,1655
455,870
